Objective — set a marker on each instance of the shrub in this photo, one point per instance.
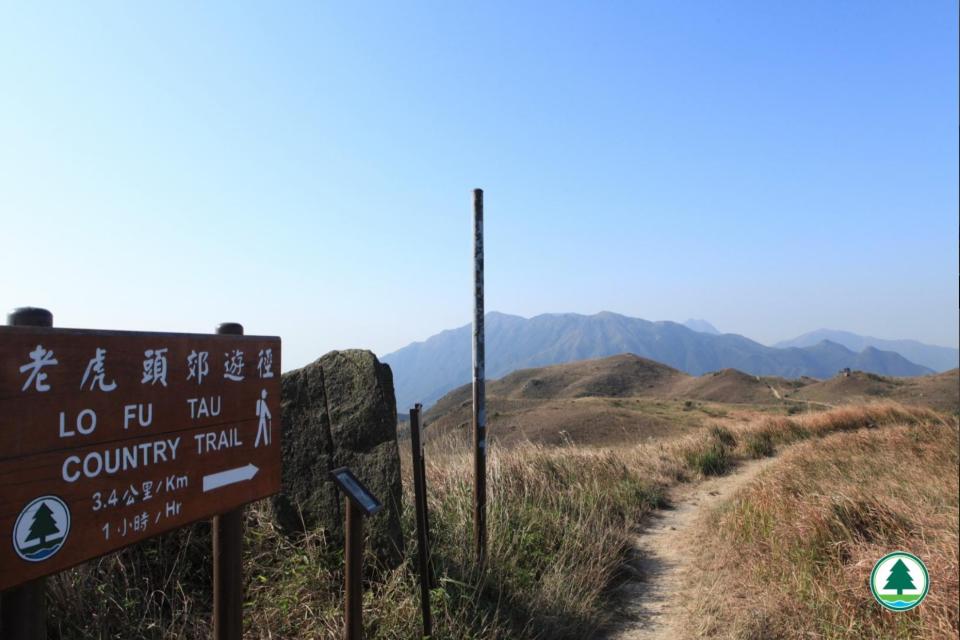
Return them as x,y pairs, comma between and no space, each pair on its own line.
723,436
711,460
760,444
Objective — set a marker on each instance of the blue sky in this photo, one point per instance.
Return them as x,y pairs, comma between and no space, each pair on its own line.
305,168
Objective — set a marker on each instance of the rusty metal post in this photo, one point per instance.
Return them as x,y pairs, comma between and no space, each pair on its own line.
228,557
479,392
23,610
426,513
423,542
353,580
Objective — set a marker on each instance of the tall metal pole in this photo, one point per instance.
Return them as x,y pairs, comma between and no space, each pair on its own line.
227,557
479,392
23,608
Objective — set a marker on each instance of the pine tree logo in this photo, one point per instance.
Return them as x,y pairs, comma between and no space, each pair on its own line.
41,528
899,581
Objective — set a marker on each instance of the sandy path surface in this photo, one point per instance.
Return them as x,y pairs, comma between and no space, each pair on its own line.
653,600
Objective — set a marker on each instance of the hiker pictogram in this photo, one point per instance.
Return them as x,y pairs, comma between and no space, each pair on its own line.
266,422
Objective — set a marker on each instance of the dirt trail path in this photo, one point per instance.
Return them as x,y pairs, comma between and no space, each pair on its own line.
653,601
782,397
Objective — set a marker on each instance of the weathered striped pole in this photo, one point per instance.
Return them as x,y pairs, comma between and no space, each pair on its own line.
479,392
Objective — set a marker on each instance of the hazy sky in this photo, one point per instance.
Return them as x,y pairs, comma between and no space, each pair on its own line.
305,169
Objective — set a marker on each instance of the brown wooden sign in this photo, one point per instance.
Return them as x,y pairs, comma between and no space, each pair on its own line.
111,437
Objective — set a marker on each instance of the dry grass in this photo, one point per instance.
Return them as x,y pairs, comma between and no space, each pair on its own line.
791,556
560,522
558,525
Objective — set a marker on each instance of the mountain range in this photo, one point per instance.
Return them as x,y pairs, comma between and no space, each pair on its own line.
930,356
425,371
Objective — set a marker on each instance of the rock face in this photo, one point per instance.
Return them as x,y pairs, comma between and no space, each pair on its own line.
340,411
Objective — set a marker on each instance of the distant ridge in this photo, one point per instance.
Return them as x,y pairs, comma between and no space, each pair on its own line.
697,324
927,355
425,371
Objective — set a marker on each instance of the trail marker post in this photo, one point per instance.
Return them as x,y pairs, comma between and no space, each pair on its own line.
360,503
227,534
479,392
108,438
423,527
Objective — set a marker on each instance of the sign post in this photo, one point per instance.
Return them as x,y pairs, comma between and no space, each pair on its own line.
23,609
228,554
108,438
360,503
423,528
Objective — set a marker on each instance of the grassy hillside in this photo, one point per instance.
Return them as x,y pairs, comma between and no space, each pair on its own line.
616,376
561,520
608,401
791,556
940,391
626,398
732,386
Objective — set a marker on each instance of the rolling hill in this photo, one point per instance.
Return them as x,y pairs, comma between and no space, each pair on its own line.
623,398
626,398
940,391
425,371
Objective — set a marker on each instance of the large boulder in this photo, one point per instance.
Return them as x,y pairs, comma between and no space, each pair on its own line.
340,411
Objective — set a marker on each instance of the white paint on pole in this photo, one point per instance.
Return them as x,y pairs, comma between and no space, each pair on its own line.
230,476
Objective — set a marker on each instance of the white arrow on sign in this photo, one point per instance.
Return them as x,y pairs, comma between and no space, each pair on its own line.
230,476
